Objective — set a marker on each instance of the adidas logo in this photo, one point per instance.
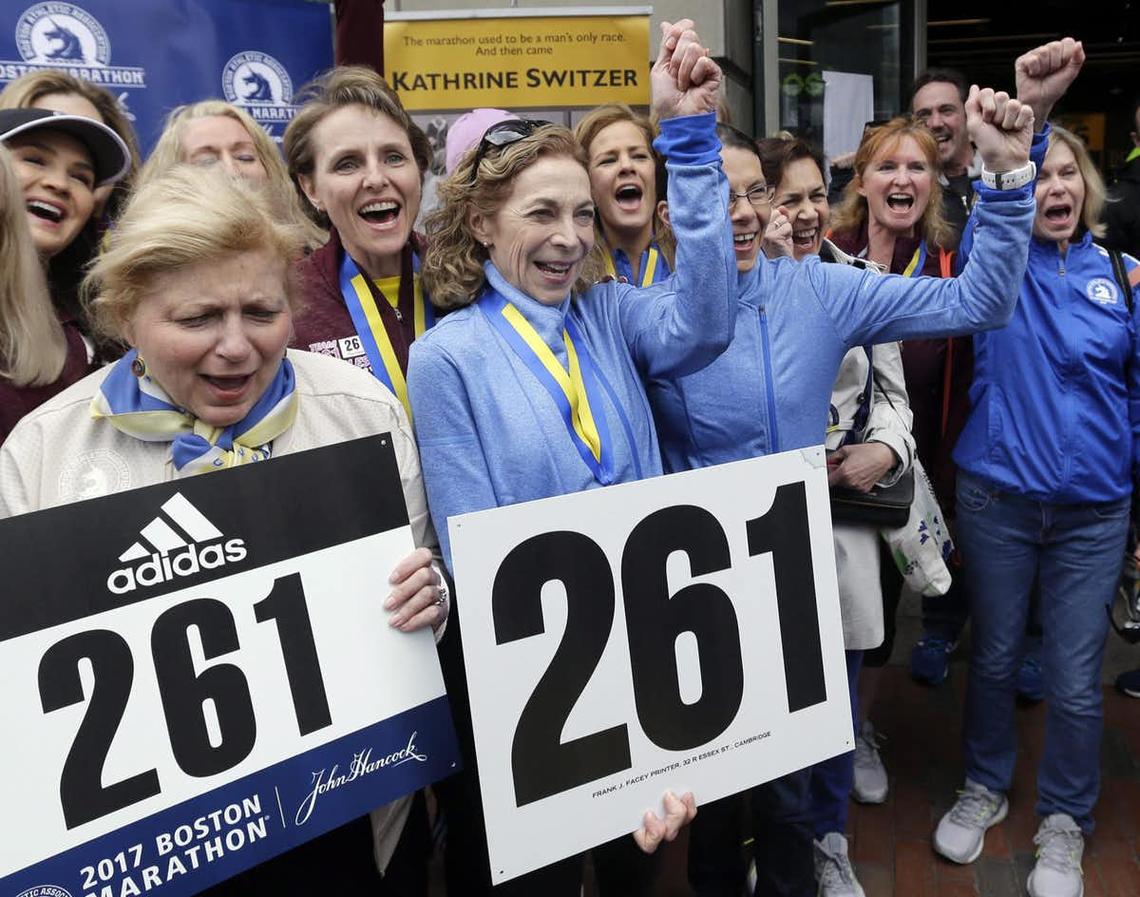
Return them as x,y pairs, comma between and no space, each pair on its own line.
169,553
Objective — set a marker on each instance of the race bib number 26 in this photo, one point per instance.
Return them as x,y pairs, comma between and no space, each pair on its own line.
203,676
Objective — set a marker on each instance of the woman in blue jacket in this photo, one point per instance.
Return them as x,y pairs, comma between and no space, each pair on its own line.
532,387
1046,463
794,322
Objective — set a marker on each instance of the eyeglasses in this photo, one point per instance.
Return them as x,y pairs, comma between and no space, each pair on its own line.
759,197
505,133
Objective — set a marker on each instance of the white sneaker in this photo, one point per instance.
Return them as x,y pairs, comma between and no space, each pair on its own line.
870,776
961,832
1060,845
833,868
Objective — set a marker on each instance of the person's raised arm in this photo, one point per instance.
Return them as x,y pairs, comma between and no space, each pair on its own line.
866,308
1045,73
682,324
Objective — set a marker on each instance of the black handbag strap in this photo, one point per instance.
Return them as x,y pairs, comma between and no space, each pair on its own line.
1121,275
863,412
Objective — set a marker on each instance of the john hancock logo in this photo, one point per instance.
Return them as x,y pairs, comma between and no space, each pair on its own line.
260,85
163,551
326,780
59,35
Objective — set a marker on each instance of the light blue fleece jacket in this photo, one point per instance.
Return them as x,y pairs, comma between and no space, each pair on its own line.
488,432
795,321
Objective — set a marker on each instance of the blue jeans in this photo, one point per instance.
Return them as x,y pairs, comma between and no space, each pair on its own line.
832,780
1074,552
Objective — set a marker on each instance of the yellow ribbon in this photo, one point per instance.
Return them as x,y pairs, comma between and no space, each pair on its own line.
380,332
570,383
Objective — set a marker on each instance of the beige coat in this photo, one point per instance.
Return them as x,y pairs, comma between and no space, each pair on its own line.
58,454
889,422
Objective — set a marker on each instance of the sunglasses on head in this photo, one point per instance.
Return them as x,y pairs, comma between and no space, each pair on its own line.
505,133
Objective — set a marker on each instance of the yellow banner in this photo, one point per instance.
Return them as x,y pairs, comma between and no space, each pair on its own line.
538,62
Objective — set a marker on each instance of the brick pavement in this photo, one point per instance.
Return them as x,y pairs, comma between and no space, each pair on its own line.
890,843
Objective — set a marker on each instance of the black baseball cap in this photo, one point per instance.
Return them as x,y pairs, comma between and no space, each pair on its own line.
109,153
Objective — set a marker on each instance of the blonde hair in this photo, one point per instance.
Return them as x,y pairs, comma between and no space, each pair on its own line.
185,217
346,85
851,212
1095,192
169,152
453,266
587,131
25,91
33,348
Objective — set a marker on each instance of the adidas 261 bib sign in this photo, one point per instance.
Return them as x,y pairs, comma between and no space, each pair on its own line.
200,675
678,633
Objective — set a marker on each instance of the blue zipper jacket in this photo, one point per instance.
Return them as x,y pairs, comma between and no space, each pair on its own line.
795,321
1055,402
488,432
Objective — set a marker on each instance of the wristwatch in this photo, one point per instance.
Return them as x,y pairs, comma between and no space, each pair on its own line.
1010,180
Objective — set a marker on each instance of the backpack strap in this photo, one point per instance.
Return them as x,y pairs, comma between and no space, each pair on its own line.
1121,275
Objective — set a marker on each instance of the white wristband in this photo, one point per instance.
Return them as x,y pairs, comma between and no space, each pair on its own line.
1010,180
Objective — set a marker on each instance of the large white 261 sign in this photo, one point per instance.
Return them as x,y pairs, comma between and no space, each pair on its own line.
679,633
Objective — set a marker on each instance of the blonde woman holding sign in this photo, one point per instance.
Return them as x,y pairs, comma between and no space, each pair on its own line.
197,280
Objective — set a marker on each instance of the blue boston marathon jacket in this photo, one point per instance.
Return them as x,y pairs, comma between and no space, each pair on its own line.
770,390
489,434
1055,402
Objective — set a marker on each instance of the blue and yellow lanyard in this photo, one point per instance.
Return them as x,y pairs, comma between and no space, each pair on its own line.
648,268
576,392
361,303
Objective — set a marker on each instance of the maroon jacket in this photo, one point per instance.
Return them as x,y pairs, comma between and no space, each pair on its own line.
16,401
937,386
325,326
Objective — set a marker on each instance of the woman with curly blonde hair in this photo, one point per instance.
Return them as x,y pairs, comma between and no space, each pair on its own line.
534,385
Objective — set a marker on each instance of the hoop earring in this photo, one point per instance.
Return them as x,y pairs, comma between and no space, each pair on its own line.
138,367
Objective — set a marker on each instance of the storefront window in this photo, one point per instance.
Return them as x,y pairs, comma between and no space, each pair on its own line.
842,63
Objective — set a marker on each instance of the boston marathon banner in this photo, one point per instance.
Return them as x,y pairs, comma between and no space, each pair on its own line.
157,54
518,59
200,675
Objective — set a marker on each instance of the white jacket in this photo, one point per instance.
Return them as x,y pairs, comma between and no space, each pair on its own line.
59,454
889,421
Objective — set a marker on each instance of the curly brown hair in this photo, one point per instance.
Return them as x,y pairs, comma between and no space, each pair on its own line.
851,213
453,266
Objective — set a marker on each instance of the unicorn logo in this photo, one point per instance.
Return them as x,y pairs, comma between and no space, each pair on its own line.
262,91
1102,291
62,35
260,85
69,49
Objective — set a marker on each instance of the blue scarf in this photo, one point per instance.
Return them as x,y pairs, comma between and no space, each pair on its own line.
139,407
